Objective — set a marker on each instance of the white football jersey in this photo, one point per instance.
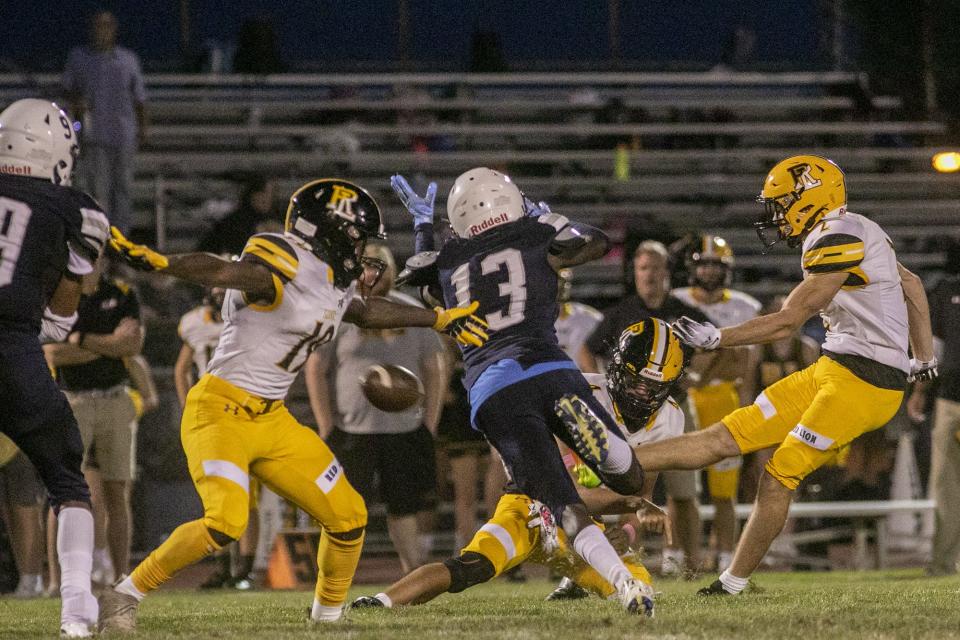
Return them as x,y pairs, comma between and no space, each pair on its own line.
733,308
574,325
200,330
868,316
666,422
263,347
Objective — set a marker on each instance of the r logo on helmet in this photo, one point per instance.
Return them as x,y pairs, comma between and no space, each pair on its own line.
802,178
342,201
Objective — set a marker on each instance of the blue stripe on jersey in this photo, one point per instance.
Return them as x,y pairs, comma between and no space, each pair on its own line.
504,373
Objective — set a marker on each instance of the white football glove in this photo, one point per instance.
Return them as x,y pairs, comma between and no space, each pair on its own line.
921,370
701,335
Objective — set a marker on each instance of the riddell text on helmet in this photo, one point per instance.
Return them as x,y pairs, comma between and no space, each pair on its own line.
16,169
489,222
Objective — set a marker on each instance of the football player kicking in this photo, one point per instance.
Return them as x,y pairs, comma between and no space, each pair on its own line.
523,389
646,364
286,295
872,307
50,237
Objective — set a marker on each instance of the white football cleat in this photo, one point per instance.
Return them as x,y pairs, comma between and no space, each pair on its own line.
75,630
636,597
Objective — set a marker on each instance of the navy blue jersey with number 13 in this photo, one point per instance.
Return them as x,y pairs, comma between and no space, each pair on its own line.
505,269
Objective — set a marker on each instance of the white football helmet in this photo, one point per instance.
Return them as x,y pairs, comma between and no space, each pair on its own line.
482,199
37,139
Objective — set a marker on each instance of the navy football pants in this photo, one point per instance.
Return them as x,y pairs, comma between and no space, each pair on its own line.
519,421
37,417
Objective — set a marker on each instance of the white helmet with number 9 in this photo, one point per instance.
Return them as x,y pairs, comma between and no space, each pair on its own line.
482,199
37,140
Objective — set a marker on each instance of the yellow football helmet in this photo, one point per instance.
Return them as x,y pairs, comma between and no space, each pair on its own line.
796,195
644,367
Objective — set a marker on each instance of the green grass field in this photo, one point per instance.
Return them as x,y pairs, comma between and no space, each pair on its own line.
807,606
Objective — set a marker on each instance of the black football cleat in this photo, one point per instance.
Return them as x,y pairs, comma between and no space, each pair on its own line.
366,602
715,589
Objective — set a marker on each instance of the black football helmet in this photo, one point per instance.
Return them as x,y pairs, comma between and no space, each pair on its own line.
336,218
644,368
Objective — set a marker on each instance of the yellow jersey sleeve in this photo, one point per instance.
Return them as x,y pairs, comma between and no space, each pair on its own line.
835,253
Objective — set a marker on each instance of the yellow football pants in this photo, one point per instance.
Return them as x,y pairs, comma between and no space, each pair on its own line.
227,434
812,415
710,405
507,541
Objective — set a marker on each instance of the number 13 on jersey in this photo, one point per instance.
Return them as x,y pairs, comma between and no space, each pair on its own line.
514,288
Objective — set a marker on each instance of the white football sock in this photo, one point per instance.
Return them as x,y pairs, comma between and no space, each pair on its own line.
75,553
619,456
597,551
126,586
323,613
733,584
385,599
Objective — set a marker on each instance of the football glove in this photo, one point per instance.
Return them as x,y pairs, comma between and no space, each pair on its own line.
701,335
459,322
585,476
421,208
921,370
137,256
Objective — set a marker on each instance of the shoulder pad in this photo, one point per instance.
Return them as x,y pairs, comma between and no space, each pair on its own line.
420,270
275,252
833,252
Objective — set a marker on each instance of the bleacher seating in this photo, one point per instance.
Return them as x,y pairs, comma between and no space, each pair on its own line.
696,147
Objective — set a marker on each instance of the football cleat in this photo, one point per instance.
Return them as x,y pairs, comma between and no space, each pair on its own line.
636,597
715,589
367,602
587,431
75,630
118,612
567,590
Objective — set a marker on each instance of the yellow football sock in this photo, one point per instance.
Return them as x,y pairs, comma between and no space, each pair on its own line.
590,580
187,544
337,560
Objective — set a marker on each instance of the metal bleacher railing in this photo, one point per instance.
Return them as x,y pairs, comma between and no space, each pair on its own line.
694,146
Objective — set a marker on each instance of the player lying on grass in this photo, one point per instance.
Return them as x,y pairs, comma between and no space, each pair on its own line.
505,252
286,295
646,364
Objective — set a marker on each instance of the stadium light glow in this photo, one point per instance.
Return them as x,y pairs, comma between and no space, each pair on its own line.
946,162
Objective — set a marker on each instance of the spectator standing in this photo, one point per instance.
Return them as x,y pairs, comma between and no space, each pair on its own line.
23,496
652,299
396,448
945,440
105,90
92,367
254,215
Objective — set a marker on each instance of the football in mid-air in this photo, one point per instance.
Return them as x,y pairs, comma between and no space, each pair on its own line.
391,388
